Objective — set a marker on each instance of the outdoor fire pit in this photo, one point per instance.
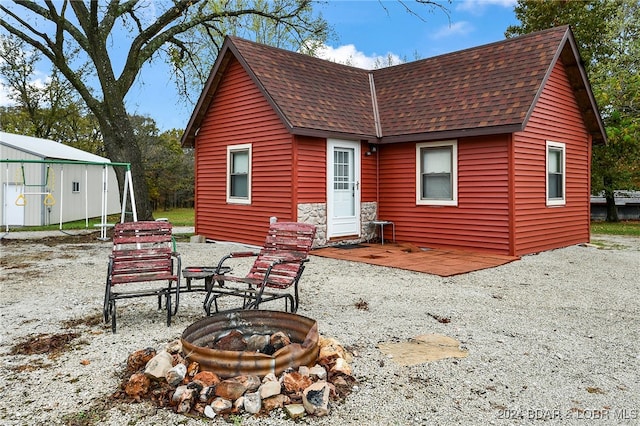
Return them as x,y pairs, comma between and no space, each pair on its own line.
197,342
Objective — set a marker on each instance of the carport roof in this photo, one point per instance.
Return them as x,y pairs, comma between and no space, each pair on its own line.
47,149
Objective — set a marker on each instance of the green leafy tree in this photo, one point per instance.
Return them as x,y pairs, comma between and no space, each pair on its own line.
608,33
14,120
617,87
588,19
77,37
168,168
180,192
45,107
73,128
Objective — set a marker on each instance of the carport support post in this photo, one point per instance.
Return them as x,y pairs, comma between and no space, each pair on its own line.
4,201
128,187
103,207
61,192
86,196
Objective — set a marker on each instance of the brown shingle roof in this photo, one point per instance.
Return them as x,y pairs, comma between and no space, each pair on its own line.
484,87
487,89
312,94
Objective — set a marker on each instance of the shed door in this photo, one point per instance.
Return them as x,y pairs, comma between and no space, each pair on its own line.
343,188
14,207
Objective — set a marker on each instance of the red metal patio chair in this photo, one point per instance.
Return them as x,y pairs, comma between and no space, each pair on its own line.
277,267
142,252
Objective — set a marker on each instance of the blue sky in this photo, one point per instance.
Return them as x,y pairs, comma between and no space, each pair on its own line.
375,28
364,30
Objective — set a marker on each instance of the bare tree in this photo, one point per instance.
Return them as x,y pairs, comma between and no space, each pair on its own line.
82,38
67,31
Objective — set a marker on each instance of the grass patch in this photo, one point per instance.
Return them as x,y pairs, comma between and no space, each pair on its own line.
626,227
177,217
78,224
605,245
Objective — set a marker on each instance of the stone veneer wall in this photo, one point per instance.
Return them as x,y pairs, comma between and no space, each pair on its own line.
316,214
368,212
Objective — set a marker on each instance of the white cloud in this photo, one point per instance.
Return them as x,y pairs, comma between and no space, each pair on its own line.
477,7
4,96
452,30
38,79
350,55
5,91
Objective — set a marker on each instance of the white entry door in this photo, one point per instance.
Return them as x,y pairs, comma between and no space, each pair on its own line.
343,188
14,205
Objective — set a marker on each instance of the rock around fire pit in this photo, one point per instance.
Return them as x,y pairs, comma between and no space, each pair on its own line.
243,362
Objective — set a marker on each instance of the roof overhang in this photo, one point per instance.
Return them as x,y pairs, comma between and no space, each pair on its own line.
582,88
319,133
206,97
227,53
569,54
451,134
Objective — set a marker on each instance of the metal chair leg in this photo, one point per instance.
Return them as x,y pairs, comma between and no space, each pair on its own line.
169,309
112,310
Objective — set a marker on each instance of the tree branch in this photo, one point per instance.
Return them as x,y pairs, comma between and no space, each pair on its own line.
22,22
430,3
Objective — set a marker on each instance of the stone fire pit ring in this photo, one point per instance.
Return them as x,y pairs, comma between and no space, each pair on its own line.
302,331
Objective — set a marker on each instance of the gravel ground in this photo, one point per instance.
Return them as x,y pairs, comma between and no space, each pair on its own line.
552,337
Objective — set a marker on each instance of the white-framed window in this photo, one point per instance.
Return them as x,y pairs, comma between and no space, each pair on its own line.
556,174
239,174
437,173
75,186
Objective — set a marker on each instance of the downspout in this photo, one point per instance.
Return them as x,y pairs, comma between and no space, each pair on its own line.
511,194
377,182
294,179
196,173
589,157
378,126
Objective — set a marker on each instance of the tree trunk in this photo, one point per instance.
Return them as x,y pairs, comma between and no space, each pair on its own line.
122,147
612,210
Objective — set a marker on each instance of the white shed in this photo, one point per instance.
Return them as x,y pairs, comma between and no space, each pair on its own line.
45,182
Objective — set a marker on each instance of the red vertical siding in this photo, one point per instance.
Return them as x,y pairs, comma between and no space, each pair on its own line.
312,169
556,118
481,219
239,114
368,174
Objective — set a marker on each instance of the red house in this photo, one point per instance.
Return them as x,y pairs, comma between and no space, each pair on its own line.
483,149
